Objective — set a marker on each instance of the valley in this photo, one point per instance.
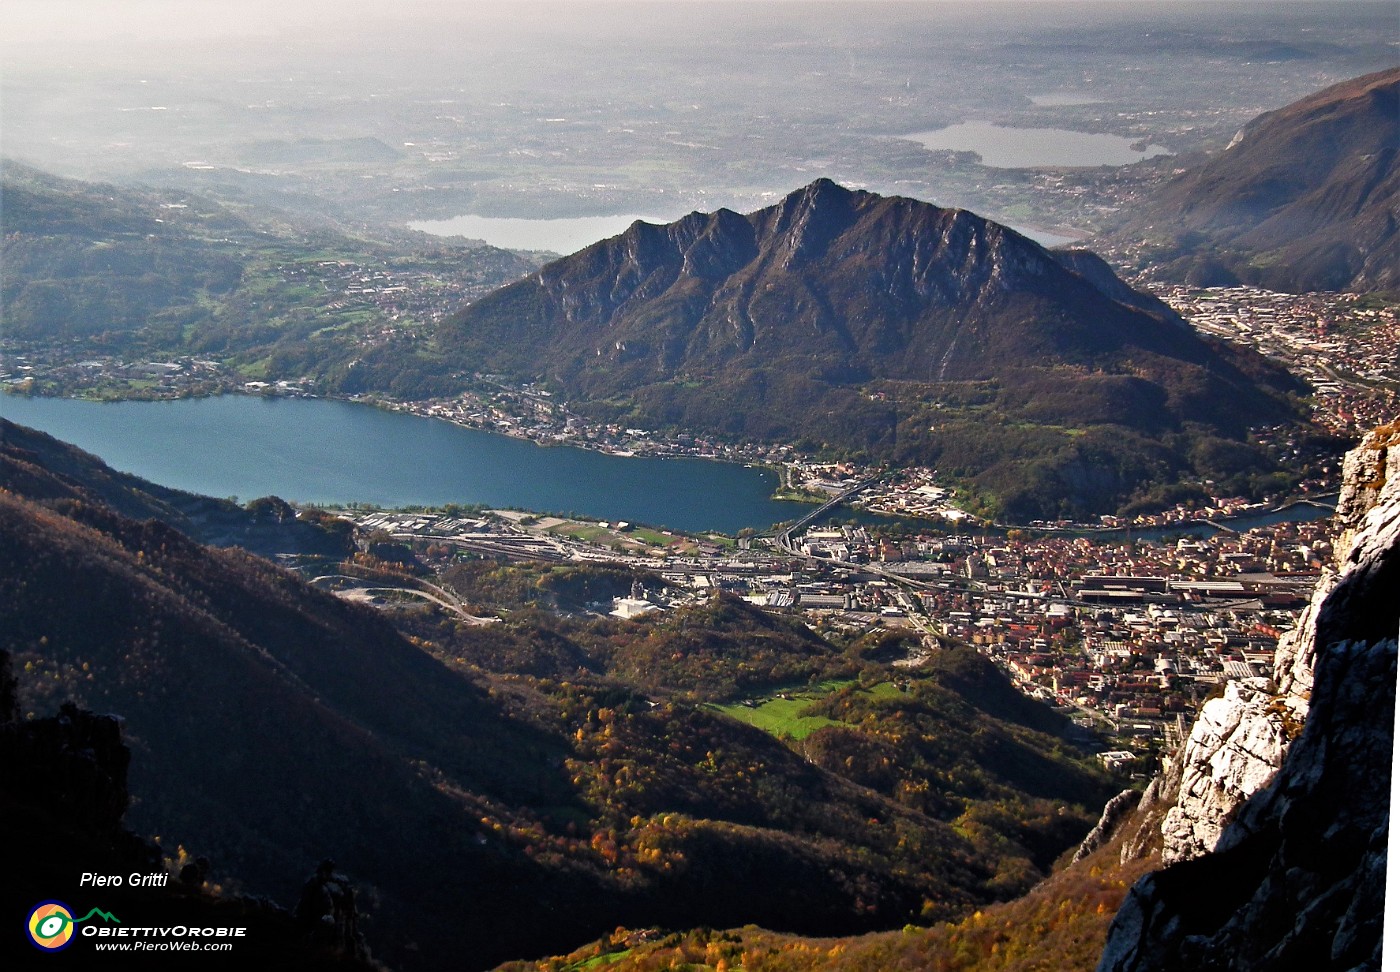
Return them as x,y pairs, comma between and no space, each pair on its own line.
573,752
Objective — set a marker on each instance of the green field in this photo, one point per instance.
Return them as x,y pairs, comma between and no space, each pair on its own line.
781,714
588,533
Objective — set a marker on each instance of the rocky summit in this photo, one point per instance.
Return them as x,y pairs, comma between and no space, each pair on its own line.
884,326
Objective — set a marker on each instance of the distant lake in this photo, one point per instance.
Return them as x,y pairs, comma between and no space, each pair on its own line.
320,451
1064,99
1045,237
1023,148
563,236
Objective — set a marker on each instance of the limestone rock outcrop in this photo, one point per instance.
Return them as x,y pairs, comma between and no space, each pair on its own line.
1234,750
1114,813
1295,877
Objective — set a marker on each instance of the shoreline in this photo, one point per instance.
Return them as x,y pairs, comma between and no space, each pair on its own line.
784,492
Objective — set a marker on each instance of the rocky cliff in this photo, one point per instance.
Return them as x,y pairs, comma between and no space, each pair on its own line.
1286,869
1234,750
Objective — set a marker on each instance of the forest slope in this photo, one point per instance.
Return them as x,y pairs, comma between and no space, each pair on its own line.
498,814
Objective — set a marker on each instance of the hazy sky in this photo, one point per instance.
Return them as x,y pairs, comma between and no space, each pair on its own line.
25,24
121,19
118,19
432,108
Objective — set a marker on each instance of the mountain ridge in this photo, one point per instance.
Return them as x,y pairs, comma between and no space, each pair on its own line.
931,255
1304,198
883,327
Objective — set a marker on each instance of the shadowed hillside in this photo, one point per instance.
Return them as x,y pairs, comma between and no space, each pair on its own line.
61,811
1305,198
41,467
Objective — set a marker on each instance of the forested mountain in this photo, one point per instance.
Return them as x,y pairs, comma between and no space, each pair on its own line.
492,813
882,327
1304,198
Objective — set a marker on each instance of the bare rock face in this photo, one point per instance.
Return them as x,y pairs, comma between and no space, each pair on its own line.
1114,813
1234,750
1289,872
1367,471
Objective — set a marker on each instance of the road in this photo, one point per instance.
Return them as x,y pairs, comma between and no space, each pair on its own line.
784,538
405,585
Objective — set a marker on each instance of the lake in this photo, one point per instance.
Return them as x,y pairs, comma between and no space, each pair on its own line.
320,451
1064,99
1024,148
1045,237
563,236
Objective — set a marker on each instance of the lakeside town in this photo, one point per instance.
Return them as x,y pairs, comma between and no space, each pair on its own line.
1130,633
1347,347
1130,621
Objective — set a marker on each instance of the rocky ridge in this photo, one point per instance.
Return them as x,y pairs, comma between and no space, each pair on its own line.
1234,750
1277,808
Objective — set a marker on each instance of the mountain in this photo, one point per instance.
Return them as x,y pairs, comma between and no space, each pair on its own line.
879,326
1304,198
271,725
488,813
66,778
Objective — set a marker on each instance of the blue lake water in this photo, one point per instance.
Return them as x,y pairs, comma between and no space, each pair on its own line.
318,451
1023,148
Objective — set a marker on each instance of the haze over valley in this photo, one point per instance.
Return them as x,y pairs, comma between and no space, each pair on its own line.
383,114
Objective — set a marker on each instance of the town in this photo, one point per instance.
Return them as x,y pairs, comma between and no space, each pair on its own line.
1346,346
1129,621
1131,633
